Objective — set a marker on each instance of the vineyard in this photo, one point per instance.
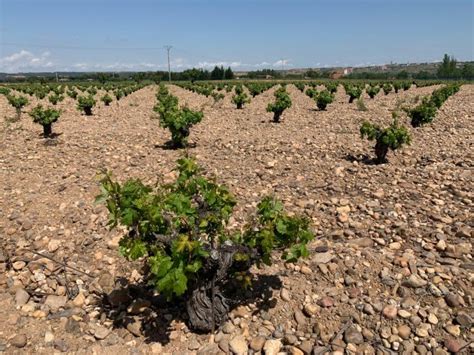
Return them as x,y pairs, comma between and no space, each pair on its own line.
304,217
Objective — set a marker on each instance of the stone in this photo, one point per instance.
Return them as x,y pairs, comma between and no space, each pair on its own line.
61,345
21,297
353,336
135,328
310,309
454,330
138,306
19,341
441,245
464,320
300,318
395,246
209,349
306,346
414,281
238,345
228,328
48,337
306,270
452,300
422,332
100,332
79,300
18,265
119,297
432,319
390,312
257,343
72,326
452,345
156,348
272,347
54,245
55,302
404,331
323,258
326,302
285,295
404,314
193,344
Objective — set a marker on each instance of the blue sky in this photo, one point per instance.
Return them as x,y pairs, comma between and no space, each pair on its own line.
114,35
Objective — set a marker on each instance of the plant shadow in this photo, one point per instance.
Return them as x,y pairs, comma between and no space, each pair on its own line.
155,321
170,146
361,158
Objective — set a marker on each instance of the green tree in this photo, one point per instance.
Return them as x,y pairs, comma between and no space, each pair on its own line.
218,73
448,68
229,74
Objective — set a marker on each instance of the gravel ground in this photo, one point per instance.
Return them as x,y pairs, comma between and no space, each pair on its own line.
391,270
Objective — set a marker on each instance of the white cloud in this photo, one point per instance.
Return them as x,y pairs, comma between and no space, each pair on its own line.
284,62
262,64
219,64
26,61
118,66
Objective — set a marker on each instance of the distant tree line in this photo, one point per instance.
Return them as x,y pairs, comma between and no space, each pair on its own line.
447,69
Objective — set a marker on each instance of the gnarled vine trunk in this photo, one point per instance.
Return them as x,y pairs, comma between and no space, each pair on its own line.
207,306
47,130
381,151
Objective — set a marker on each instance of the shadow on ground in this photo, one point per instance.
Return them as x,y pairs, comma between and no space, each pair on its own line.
153,320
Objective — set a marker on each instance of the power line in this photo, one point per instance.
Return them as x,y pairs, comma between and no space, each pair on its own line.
168,48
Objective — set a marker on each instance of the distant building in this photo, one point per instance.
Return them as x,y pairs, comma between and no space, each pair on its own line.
348,71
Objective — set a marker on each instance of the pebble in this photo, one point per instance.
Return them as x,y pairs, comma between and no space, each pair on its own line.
100,332
79,300
404,314
48,337
272,347
432,319
390,312
21,297
18,265
352,335
257,343
306,270
310,309
404,331
395,245
326,302
55,302
454,330
452,300
54,245
238,345
138,306
422,332
19,341
452,345
285,295
414,282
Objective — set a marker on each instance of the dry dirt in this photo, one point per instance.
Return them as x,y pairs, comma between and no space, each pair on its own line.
391,270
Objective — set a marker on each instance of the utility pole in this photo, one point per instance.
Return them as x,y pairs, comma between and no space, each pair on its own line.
168,48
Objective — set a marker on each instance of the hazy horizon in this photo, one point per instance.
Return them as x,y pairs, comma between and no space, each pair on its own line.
106,35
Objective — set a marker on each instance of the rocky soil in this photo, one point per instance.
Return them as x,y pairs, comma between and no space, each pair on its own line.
391,270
